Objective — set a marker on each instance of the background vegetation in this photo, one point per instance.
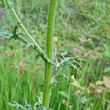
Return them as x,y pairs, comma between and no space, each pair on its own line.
82,28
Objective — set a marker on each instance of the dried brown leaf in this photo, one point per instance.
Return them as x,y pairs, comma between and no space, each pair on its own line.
106,81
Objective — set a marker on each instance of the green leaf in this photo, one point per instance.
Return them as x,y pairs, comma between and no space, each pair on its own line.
107,51
16,36
64,94
72,62
107,69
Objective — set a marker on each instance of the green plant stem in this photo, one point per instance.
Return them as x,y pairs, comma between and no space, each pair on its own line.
48,71
22,26
38,49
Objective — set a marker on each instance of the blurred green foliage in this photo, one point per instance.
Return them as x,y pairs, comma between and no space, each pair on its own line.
82,28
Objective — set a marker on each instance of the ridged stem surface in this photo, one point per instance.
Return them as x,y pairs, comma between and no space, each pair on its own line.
48,71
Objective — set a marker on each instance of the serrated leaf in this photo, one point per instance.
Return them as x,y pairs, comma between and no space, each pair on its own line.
16,36
17,105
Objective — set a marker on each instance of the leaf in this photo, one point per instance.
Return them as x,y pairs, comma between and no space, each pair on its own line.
72,62
98,83
64,94
106,70
19,106
106,81
16,36
108,36
28,105
92,85
107,51
77,85
42,108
